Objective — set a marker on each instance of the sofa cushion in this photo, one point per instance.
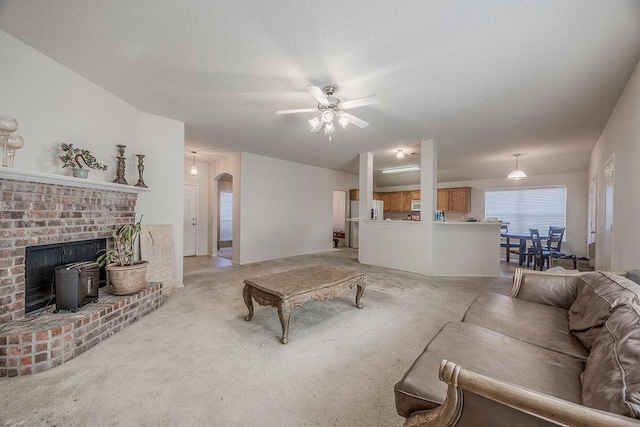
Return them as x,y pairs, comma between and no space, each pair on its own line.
611,380
598,293
489,353
634,275
537,324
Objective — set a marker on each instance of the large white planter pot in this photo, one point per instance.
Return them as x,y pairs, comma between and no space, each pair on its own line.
128,279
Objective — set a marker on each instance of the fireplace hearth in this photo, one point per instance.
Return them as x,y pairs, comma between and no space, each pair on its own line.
69,219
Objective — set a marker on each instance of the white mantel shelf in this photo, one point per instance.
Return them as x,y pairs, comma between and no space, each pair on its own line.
47,178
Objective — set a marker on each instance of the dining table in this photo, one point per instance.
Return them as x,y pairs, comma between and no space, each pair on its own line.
522,249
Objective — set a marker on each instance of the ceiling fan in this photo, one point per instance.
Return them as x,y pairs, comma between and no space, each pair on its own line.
330,108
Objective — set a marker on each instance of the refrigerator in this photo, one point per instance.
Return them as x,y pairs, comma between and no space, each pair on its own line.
376,214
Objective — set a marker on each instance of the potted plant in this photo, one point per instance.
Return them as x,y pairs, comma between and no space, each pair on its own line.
125,274
71,159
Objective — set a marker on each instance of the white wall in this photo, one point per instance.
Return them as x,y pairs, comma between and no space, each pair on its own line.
53,104
202,181
403,245
621,136
577,195
286,208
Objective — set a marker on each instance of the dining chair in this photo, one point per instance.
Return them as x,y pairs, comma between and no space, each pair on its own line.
512,247
537,252
554,242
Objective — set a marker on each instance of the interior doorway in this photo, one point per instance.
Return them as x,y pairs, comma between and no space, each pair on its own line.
224,244
609,185
593,209
339,218
190,218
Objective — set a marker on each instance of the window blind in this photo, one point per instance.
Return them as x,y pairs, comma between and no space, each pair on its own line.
524,208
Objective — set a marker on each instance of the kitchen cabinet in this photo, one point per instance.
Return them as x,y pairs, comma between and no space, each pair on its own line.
395,204
454,199
406,201
386,199
354,194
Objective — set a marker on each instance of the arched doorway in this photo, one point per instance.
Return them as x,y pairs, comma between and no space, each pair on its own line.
224,226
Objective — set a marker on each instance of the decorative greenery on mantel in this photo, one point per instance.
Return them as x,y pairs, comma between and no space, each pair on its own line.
71,158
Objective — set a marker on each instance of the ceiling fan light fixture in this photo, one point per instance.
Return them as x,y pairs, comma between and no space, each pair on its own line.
343,121
315,123
516,174
329,128
327,116
400,153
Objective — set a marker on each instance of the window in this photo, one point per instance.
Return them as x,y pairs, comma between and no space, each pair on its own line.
525,208
226,216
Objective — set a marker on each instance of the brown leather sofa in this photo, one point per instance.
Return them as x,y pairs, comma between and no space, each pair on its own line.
559,349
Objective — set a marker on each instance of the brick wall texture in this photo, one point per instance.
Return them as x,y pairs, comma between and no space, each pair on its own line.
36,214
52,339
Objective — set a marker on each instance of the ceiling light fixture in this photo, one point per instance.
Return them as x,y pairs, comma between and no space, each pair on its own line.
315,123
400,153
517,174
343,121
327,116
400,170
194,168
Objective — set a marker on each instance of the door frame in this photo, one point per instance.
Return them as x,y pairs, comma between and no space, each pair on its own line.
195,240
609,210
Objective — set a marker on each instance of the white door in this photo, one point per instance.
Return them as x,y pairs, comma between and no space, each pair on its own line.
593,209
609,181
190,219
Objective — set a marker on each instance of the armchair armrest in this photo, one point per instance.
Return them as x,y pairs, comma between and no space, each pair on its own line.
476,398
555,289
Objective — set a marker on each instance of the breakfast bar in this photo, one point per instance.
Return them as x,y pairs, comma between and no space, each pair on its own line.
466,248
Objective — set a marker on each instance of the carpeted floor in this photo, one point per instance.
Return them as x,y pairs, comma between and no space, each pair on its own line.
196,361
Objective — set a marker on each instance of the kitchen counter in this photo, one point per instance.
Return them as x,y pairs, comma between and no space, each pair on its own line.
465,223
466,248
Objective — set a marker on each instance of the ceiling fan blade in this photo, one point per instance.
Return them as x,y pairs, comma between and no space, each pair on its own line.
360,102
355,120
318,94
299,110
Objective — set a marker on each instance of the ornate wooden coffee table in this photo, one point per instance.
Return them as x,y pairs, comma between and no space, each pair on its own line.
295,287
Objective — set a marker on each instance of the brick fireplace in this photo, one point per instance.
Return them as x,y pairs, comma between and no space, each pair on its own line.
34,213
39,209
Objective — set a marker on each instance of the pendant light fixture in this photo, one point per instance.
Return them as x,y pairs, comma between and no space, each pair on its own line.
194,168
517,174
400,153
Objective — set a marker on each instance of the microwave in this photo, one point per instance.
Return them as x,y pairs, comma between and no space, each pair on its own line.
415,205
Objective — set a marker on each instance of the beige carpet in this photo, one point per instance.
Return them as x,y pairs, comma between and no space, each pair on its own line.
195,361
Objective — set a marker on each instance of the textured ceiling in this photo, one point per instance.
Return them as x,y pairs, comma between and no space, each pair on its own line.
484,79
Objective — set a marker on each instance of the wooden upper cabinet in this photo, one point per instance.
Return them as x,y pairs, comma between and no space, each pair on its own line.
460,199
415,195
395,204
406,201
386,200
443,199
377,196
354,194
454,199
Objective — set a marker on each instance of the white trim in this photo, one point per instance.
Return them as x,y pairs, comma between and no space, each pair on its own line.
47,178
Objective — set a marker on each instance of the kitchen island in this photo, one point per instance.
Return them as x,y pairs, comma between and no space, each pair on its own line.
466,248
